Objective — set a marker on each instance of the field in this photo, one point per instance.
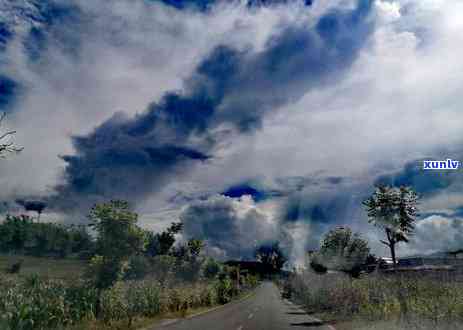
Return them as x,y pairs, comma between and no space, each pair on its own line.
412,301
47,268
55,294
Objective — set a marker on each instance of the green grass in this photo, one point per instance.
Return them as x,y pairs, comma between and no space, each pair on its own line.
49,268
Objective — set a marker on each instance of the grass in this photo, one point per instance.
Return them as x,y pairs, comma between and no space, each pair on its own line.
413,301
48,268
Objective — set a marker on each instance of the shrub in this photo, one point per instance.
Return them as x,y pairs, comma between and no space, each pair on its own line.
138,267
224,288
211,268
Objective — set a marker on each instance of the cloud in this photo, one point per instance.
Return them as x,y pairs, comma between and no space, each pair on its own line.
305,106
230,89
435,234
8,91
231,228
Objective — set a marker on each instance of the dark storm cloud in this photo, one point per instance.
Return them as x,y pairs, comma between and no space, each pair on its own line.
247,189
8,92
206,4
131,157
231,228
320,207
5,35
31,205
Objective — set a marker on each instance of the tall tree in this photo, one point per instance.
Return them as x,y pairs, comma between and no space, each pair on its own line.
118,237
394,210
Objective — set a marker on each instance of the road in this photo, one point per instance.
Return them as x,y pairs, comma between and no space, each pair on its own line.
265,310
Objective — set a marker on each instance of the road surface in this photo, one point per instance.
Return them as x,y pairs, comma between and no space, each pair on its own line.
265,310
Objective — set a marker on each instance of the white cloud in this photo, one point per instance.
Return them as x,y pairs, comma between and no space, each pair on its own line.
400,101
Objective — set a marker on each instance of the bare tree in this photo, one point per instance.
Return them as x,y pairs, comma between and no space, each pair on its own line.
6,145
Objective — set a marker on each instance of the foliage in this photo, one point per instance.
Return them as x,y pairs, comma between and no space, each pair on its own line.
434,299
118,238
394,210
271,256
103,271
37,304
139,266
122,281
343,250
195,246
20,234
118,234
211,268
162,243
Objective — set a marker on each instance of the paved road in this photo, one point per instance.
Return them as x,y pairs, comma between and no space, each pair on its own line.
265,310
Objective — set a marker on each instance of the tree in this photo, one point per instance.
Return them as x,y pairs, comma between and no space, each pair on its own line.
195,246
161,244
271,256
21,234
211,268
343,250
118,237
6,145
394,210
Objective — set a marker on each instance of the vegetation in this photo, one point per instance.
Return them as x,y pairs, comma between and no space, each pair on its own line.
342,250
394,210
34,303
133,274
21,235
391,300
68,269
426,301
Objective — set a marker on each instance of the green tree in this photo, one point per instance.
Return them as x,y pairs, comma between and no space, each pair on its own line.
162,243
343,250
211,268
15,233
394,210
118,237
195,246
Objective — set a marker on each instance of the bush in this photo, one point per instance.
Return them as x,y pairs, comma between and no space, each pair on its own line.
102,272
138,267
211,269
224,288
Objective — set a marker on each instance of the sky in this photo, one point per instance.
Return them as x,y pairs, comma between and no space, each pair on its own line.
250,121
